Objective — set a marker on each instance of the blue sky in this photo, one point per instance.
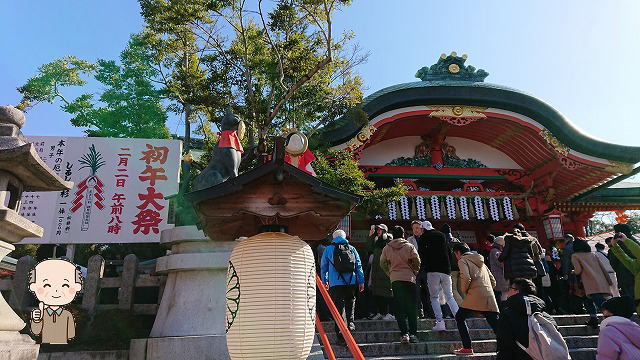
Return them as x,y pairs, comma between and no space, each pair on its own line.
579,56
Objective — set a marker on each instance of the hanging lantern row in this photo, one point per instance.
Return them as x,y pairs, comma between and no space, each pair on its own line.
451,207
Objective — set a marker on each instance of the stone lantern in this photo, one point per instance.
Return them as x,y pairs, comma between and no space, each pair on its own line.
21,169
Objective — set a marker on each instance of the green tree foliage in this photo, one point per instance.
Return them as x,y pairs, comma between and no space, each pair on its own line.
51,78
339,169
24,250
278,67
129,107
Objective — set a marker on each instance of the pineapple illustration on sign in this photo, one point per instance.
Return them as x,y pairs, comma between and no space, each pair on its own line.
90,187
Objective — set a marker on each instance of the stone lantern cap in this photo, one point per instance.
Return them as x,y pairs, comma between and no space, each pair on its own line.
20,158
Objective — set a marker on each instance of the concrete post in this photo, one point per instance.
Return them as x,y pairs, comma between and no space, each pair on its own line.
95,270
128,282
20,296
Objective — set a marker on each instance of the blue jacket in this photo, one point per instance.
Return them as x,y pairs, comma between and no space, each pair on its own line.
328,272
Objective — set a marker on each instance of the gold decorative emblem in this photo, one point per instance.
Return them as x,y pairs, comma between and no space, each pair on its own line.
457,114
555,143
619,167
454,68
364,135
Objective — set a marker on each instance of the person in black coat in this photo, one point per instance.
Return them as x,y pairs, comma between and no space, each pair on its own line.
519,257
513,325
434,254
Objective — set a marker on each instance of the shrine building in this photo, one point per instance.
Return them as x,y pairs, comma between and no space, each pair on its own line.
482,157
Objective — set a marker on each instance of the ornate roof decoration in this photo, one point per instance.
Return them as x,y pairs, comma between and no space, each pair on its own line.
362,137
458,115
451,68
554,142
619,167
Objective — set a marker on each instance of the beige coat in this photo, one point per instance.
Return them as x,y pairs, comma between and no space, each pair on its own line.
400,260
54,328
476,284
594,275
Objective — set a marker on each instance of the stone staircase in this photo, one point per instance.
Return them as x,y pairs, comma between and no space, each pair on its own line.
379,339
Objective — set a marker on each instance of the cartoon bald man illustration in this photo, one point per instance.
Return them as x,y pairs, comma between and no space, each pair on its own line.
55,282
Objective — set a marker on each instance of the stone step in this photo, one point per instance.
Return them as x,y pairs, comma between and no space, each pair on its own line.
576,354
446,347
427,324
472,323
364,337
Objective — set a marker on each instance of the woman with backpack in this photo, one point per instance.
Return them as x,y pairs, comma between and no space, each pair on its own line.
379,282
513,326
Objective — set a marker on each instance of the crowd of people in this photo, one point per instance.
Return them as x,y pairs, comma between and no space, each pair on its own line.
511,282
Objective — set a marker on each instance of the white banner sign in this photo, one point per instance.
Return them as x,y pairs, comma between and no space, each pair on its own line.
118,193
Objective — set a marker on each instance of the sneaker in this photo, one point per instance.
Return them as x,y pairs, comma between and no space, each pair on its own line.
388,317
352,326
440,326
413,339
404,339
463,351
378,317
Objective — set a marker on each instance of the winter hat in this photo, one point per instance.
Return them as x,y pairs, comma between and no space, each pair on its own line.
426,225
383,227
339,233
619,306
499,240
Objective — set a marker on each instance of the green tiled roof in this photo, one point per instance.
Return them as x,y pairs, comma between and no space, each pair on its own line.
477,93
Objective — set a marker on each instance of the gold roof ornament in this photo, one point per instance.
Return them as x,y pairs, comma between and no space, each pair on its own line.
362,137
554,142
619,167
458,114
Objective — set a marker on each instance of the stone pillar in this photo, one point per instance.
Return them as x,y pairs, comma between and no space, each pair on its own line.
190,323
13,345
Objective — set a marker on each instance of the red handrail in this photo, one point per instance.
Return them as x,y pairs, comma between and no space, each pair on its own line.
337,317
324,339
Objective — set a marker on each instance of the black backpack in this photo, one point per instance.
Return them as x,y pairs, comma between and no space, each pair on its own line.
344,260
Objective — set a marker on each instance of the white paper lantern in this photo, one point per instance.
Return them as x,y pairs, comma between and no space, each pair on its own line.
493,209
393,210
420,208
404,207
271,298
508,209
478,207
435,207
451,207
464,208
